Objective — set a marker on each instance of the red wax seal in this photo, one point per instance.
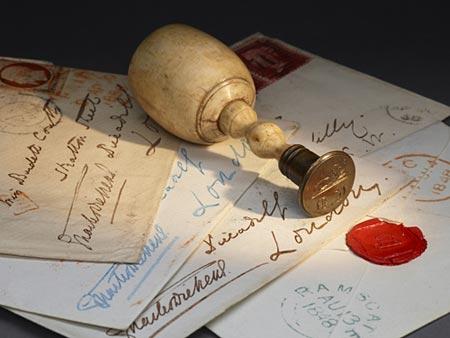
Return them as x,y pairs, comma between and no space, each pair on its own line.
386,243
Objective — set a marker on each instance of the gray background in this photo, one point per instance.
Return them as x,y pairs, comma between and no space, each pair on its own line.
406,46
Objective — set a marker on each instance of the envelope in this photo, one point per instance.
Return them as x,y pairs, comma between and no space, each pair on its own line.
310,100
262,237
83,167
337,294
337,107
202,186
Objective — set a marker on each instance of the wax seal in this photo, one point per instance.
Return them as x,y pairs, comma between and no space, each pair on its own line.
386,243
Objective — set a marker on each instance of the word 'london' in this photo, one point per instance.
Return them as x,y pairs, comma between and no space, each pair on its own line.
177,299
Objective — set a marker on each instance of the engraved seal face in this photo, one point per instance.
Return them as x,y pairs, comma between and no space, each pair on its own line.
327,183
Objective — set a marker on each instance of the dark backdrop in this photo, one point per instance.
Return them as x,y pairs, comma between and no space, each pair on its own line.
406,45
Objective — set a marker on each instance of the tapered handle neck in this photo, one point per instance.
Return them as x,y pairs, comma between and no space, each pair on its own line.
265,139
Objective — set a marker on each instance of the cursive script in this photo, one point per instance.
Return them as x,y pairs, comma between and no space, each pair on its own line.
360,133
152,143
53,115
329,217
118,275
239,155
31,160
126,103
250,223
87,110
196,281
183,165
94,214
274,256
222,179
74,145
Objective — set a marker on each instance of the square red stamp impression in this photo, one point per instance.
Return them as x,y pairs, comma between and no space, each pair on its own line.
268,60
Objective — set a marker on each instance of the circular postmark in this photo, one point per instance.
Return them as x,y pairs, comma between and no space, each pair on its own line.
21,113
430,176
327,183
317,310
25,75
406,114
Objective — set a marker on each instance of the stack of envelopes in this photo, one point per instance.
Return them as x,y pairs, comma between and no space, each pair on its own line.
109,226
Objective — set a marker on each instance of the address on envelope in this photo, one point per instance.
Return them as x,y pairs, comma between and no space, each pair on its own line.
337,294
83,168
321,90
263,236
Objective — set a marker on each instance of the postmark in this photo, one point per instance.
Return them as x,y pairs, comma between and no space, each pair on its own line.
406,114
32,76
431,176
316,310
22,113
25,75
269,60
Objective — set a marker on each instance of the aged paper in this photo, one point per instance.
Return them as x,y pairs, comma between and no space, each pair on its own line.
83,168
337,294
262,237
202,187
337,107
328,92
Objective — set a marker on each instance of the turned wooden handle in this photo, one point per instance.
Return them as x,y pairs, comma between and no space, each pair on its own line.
266,139
198,89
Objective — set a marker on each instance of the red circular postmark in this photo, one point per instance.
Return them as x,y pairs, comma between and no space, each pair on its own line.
25,75
431,176
386,243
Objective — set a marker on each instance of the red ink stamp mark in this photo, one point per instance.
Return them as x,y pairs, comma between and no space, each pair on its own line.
386,243
431,176
269,60
19,202
25,75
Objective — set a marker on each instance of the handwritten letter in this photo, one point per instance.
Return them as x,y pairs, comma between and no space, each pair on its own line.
83,167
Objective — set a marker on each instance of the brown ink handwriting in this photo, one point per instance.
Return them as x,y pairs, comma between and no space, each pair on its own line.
251,222
329,217
274,256
74,145
87,110
95,207
126,105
